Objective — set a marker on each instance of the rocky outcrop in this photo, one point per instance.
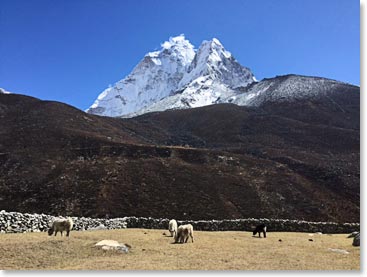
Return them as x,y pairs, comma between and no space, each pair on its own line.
14,222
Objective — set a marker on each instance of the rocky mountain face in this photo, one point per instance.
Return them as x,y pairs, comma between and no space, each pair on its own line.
176,77
294,159
288,88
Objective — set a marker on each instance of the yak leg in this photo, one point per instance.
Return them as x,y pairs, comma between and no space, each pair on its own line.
186,235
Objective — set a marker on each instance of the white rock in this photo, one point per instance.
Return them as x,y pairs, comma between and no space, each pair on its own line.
113,245
106,242
341,251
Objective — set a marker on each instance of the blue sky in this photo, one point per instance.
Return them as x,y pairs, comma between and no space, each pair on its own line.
71,50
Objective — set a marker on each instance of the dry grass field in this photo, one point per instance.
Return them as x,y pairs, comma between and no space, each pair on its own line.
152,250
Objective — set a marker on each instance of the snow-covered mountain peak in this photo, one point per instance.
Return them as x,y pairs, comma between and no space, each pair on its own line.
215,47
214,61
211,51
156,76
194,78
177,42
176,48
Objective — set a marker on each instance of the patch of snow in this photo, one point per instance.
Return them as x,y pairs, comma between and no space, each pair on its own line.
3,91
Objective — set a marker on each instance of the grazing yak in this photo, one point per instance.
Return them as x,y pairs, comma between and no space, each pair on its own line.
183,233
172,227
61,225
260,229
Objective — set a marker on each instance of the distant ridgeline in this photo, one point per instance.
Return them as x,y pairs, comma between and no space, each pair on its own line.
14,222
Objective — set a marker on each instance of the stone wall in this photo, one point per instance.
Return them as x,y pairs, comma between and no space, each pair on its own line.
13,222
273,225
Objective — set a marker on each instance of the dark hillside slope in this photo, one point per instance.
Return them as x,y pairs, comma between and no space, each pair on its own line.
221,161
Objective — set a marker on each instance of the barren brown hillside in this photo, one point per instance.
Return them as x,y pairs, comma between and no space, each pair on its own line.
295,160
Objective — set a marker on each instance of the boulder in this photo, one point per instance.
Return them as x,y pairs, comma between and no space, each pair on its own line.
113,245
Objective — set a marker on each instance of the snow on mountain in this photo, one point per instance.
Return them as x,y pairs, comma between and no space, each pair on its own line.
214,61
175,78
3,91
155,77
278,89
285,88
178,77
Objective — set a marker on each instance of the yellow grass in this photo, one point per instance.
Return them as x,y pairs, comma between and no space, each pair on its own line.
151,250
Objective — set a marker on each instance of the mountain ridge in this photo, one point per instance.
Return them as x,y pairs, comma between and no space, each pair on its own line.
180,77
294,88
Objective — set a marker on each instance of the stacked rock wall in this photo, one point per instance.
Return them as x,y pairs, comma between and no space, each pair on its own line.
273,225
13,222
